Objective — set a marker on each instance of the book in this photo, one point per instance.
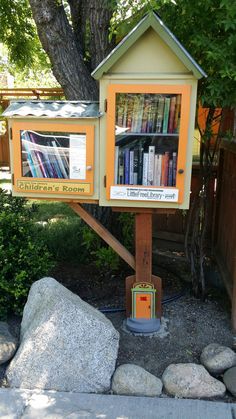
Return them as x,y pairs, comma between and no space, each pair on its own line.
172,114
165,168
160,114
131,167
126,166
135,114
116,179
151,154
146,105
120,109
140,163
174,158
170,173
166,115
177,114
136,164
157,170
140,111
121,168
145,169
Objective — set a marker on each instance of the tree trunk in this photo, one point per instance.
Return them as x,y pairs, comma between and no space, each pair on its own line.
67,46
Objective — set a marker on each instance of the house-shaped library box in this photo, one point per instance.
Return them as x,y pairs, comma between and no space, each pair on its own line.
133,148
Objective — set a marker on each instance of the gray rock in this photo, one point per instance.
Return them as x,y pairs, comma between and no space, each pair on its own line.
132,380
217,358
8,343
229,379
191,381
66,344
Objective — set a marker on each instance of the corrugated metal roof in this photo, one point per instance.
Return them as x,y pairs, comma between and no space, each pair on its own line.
53,109
152,20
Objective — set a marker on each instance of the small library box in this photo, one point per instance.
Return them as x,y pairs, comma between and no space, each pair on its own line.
54,148
148,88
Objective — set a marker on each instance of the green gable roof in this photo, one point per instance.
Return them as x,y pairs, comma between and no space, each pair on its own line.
151,20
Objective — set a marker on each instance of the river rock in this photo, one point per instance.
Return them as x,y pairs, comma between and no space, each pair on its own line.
217,358
132,380
66,345
191,381
229,379
8,343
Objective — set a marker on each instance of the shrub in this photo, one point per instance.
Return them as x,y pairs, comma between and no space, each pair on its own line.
24,257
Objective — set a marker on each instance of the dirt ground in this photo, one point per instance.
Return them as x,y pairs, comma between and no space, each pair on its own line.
192,324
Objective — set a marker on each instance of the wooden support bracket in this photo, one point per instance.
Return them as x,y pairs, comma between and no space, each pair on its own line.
104,234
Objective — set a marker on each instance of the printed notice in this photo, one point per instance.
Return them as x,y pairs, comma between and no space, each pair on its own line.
78,156
144,194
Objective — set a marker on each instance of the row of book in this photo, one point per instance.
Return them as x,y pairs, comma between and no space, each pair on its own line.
136,166
47,160
148,113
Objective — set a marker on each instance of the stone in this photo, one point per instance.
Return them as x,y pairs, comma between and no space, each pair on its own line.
132,380
217,358
66,344
191,381
8,344
229,379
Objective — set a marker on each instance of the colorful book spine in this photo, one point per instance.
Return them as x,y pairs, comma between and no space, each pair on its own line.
166,115
145,169
172,114
121,168
160,114
170,173
131,167
126,165
177,114
116,179
157,170
140,163
151,155
136,165
174,158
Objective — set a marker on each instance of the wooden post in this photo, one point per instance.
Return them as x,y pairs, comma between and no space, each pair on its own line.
143,247
143,262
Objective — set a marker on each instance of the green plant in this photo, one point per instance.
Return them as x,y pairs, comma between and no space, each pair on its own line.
24,257
106,259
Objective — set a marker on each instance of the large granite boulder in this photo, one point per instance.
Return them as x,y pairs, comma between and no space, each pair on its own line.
66,344
191,381
8,343
132,380
218,358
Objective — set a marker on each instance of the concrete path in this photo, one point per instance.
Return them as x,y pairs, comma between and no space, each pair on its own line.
28,404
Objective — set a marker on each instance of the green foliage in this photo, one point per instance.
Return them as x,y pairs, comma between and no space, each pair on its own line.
64,239
126,221
18,33
207,30
24,257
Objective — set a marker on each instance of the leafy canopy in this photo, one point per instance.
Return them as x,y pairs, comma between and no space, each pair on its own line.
205,27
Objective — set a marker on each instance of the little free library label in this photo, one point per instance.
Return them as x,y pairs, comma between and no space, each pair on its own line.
37,186
144,194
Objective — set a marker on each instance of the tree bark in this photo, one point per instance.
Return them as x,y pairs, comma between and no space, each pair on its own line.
65,54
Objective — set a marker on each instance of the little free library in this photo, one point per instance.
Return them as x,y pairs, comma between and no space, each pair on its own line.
131,151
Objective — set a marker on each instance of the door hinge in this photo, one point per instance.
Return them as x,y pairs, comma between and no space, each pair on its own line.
105,105
10,133
105,181
12,179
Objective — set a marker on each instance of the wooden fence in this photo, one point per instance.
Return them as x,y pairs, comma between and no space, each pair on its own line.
225,221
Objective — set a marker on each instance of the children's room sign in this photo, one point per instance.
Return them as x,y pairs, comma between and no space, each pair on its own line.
144,194
38,186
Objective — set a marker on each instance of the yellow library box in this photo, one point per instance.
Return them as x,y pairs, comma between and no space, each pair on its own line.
54,148
148,88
